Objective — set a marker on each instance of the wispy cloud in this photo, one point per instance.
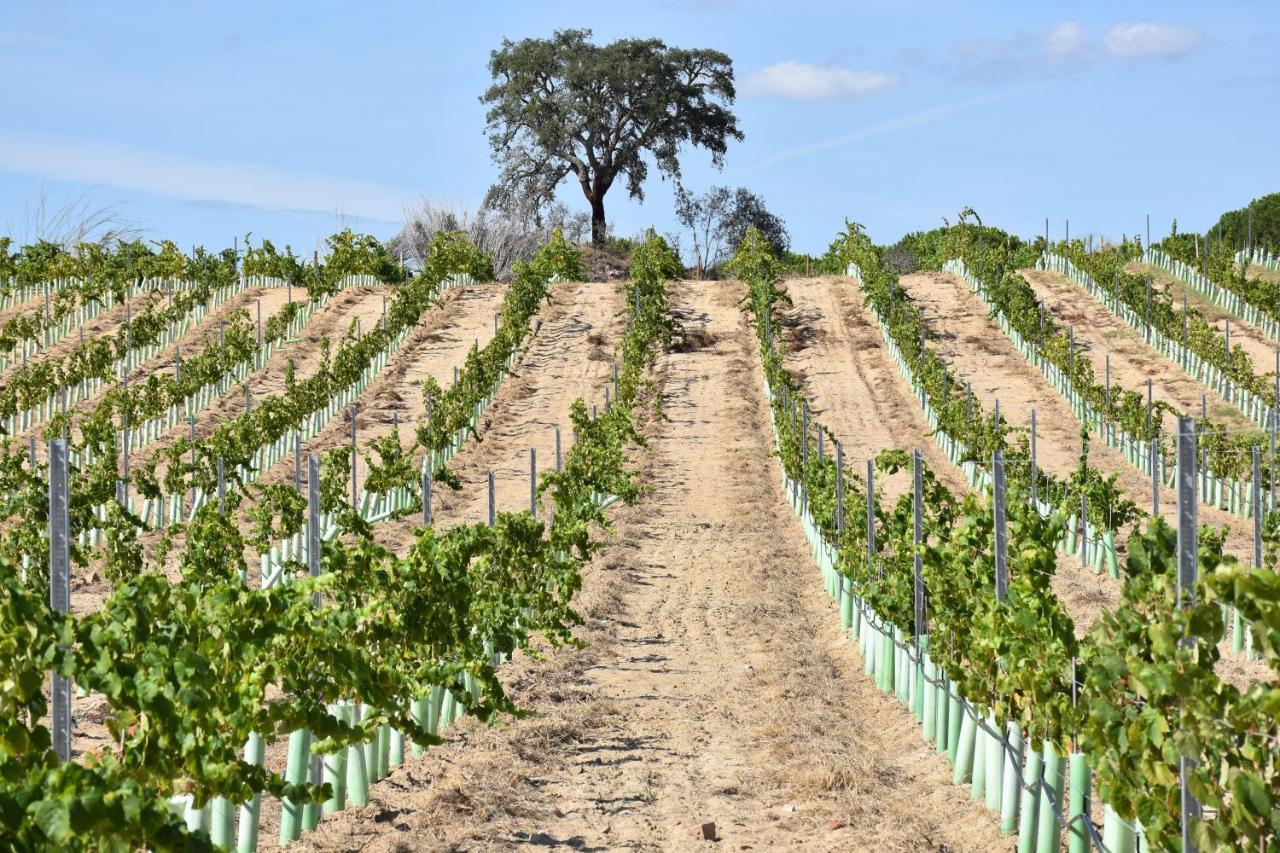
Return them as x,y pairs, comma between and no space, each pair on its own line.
1068,41
1151,40
802,82
195,179
1069,46
907,121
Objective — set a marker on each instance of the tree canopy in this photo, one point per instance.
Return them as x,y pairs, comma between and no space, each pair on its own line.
1255,224
563,105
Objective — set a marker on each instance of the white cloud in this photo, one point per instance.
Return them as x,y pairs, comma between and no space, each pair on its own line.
1151,40
802,82
176,176
1067,42
1068,47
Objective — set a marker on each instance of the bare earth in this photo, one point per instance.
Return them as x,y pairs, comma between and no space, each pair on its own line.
716,686
568,357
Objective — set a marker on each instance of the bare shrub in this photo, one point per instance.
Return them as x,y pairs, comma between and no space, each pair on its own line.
505,237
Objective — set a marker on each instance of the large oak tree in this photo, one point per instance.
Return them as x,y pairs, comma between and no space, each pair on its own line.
564,105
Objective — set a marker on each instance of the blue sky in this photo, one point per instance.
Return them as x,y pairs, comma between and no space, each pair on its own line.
203,120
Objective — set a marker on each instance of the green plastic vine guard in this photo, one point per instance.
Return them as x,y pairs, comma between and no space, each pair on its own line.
980,758
1029,807
993,771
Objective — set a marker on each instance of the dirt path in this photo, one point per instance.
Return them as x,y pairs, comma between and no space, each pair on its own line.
1260,348
568,357
716,687
1132,361
835,349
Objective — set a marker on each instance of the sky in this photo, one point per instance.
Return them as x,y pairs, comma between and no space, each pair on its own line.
202,121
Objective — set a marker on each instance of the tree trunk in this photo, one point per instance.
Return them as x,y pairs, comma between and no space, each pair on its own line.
599,232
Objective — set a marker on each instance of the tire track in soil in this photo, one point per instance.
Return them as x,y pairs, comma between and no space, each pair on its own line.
980,353
716,684
569,356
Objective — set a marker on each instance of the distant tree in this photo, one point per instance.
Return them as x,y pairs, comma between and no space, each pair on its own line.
564,105
1255,224
718,219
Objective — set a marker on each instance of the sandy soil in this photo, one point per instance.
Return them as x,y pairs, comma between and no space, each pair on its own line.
1263,273
568,357
1260,349
716,686
1132,361
31,304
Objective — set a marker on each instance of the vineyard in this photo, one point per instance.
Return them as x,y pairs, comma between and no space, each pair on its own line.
345,554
